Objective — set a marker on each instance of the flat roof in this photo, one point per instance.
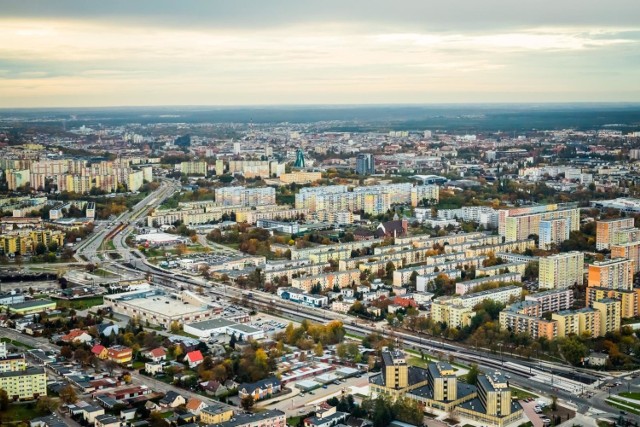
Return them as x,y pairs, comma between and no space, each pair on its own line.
30,304
164,305
211,324
245,328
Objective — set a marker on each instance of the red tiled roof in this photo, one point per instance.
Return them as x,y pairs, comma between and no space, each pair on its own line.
195,356
97,349
193,403
158,352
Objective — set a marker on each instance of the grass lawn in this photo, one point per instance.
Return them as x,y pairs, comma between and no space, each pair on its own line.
16,343
137,364
354,336
629,407
633,395
417,361
81,303
19,412
110,245
521,394
103,273
293,421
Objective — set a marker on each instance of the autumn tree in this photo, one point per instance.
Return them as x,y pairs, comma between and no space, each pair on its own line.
247,402
68,394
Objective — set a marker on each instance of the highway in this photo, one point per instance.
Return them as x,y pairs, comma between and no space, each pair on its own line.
91,248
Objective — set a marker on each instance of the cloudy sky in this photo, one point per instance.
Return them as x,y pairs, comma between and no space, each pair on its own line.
239,52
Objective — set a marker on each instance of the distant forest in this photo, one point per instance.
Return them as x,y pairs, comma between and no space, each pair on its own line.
451,117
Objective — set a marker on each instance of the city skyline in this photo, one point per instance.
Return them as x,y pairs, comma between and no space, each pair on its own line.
72,54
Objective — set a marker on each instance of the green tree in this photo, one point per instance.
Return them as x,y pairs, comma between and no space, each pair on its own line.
472,375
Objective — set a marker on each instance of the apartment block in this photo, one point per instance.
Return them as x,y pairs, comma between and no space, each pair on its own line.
26,384
522,323
612,274
605,230
451,313
578,322
629,299
522,226
629,250
552,300
17,178
430,193
25,241
610,315
561,271
328,281
300,177
552,232
626,235
194,168
241,196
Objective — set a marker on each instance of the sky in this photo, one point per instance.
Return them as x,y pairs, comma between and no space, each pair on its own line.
298,52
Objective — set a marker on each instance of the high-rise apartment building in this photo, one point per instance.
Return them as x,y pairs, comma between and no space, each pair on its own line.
365,164
616,274
241,196
552,232
630,250
610,315
606,228
561,271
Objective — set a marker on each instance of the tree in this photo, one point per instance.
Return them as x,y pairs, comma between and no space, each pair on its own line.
472,375
46,405
68,394
233,340
247,402
318,350
4,400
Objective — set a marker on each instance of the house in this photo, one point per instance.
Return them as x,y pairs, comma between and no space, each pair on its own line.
106,329
107,421
260,389
155,355
598,359
33,329
153,368
216,414
194,358
195,405
395,228
172,400
214,388
77,336
120,354
99,351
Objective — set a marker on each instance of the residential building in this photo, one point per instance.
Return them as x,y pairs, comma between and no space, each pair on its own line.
259,390
552,232
606,230
561,270
610,315
365,164
552,300
241,196
120,354
269,418
629,250
615,273
194,168
300,177
585,321
24,384
216,414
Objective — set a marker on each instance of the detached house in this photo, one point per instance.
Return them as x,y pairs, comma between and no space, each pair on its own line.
194,358
195,406
260,389
156,355
99,351
77,336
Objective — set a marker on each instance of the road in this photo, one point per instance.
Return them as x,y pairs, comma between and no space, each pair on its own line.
93,245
